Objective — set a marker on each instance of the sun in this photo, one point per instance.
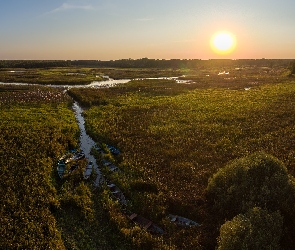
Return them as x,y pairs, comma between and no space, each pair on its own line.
223,42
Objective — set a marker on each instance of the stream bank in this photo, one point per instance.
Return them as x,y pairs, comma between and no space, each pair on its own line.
86,142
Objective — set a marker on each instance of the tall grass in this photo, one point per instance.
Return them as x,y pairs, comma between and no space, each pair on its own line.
38,210
178,141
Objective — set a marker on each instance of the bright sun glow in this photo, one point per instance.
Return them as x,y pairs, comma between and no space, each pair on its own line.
223,42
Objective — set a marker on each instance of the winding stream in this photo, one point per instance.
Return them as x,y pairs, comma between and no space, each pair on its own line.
95,84
103,84
86,142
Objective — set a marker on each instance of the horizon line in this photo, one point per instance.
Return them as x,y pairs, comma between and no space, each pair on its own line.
162,59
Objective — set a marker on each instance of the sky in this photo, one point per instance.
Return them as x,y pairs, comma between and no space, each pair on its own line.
156,29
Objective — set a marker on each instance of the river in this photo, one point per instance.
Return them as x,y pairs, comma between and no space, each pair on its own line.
86,142
104,84
95,84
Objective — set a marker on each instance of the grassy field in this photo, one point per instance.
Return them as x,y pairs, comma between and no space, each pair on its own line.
175,136
78,75
54,76
38,210
172,136
247,75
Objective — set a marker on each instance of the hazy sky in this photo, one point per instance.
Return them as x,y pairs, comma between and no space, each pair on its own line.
159,29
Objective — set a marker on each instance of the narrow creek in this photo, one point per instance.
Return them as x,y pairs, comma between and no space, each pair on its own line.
86,142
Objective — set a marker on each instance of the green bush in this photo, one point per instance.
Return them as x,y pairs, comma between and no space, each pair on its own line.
292,68
80,199
257,229
257,180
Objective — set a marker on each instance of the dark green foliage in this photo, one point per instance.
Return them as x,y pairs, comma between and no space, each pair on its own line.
257,180
257,229
178,63
141,186
33,63
292,68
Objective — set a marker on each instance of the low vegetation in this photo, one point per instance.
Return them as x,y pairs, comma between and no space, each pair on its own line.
190,149
38,210
33,133
53,76
175,138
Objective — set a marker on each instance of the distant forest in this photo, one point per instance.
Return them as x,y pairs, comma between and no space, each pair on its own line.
146,63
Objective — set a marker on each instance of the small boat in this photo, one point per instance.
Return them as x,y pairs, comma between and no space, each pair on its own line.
68,155
181,221
146,224
117,193
88,170
110,165
113,150
77,156
61,168
64,157
113,168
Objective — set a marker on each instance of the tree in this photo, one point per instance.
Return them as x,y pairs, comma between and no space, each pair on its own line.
256,230
257,180
292,67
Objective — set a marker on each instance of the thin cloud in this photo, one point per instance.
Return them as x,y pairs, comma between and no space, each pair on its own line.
67,7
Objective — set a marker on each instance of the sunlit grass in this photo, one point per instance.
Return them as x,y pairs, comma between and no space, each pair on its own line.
32,137
178,141
38,210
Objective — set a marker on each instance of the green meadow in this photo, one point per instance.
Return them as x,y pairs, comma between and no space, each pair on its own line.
38,210
189,149
175,137
53,76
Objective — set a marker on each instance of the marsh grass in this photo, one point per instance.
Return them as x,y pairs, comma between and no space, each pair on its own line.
32,135
176,142
38,209
172,136
53,76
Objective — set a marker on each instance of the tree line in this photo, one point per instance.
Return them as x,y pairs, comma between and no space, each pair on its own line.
146,63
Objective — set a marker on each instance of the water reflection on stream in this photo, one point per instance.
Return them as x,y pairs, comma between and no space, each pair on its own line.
86,142
103,84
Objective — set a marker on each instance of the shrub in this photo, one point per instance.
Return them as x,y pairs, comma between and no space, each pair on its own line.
141,186
292,67
257,229
257,180
80,199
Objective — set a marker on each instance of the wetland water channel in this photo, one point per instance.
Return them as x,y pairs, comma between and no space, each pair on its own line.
86,142
104,84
